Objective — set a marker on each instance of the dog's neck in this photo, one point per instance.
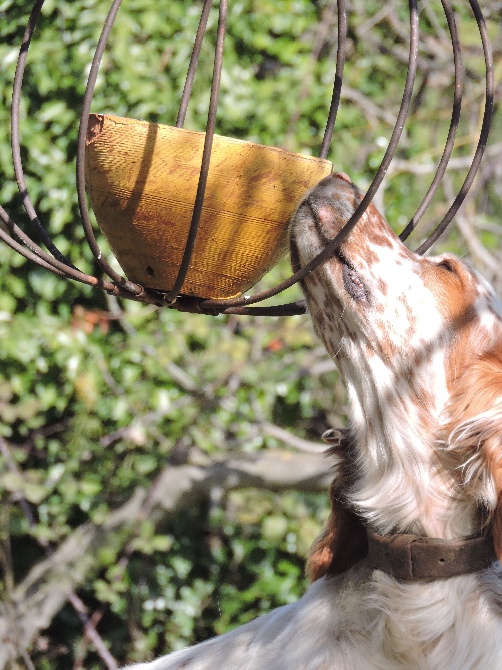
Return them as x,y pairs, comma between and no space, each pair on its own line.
400,486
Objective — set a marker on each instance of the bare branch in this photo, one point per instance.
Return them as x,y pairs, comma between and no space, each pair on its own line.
467,226
91,632
292,440
75,601
39,597
427,167
368,107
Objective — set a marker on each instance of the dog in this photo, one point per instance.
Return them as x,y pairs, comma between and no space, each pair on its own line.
406,572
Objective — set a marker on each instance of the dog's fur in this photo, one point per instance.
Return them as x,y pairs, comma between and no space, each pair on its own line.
418,342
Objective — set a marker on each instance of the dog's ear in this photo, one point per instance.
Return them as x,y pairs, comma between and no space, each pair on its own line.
475,434
341,544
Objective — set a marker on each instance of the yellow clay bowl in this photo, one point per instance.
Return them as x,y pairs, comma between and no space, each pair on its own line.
142,179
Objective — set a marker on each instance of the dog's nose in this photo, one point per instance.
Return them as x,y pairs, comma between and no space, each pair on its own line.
329,184
329,188
330,204
343,176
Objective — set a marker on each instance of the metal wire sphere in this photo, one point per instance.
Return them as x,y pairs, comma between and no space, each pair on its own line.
54,261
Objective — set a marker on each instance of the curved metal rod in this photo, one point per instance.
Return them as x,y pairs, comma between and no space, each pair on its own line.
15,143
455,119
80,168
193,305
483,136
288,309
337,86
172,295
367,198
23,250
194,60
34,252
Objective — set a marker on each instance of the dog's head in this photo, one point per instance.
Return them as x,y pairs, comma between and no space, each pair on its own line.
419,344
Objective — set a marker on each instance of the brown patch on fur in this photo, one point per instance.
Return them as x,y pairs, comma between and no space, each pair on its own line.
454,289
382,287
371,256
343,541
476,430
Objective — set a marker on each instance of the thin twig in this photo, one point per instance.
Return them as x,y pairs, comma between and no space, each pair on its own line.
130,431
457,163
466,227
77,604
91,632
42,593
292,440
322,32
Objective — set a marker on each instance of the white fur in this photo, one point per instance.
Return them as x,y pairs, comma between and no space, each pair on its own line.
360,622
401,352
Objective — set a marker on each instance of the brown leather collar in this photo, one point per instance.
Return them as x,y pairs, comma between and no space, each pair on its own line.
414,558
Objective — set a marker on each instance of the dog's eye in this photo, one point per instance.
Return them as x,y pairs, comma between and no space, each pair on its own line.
447,265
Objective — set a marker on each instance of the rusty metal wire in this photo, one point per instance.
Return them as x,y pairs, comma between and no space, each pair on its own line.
54,261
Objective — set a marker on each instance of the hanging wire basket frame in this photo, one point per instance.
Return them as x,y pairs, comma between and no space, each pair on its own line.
117,285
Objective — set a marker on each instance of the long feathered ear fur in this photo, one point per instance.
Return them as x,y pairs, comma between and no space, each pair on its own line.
342,543
475,435
343,540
